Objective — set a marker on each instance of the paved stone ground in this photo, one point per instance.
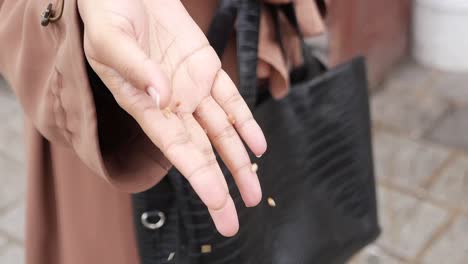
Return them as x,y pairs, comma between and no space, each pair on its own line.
420,119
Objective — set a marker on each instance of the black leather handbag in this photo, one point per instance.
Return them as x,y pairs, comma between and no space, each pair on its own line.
317,175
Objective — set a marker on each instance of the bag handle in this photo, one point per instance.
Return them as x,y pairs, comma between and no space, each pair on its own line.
247,13
222,25
311,65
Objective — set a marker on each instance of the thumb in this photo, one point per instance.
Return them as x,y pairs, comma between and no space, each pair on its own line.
121,52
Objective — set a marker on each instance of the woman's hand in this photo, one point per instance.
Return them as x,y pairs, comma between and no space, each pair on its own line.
161,69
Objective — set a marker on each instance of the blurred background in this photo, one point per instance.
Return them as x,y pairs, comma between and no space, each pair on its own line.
417,54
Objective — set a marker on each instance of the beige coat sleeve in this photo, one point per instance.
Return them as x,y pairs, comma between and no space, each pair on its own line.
47,70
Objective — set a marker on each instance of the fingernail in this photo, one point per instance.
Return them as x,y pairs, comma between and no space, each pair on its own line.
154,95
259,156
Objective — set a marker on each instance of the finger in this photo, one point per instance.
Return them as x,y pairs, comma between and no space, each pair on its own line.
168,132
222,216
231,149
227,96
201,141
120,51
225,221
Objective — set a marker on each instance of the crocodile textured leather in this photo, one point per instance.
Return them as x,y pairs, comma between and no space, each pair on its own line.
246,15
318,169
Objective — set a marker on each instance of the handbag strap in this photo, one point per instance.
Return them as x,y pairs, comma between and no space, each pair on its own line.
314,65
222,25
247,14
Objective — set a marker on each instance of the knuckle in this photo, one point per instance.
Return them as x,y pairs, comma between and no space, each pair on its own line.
219,203
210,155
179,139
225,133
245,166
203,169
234,100
244,121
204,105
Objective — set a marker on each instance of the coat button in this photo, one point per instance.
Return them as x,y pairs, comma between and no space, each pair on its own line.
46,15
49,15
153,220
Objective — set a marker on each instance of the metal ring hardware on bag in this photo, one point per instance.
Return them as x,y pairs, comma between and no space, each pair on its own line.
146,216
50,15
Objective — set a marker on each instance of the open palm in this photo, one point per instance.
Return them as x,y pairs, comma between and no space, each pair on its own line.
161,69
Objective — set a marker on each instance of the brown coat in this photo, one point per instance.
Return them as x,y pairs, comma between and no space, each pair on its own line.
78,206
